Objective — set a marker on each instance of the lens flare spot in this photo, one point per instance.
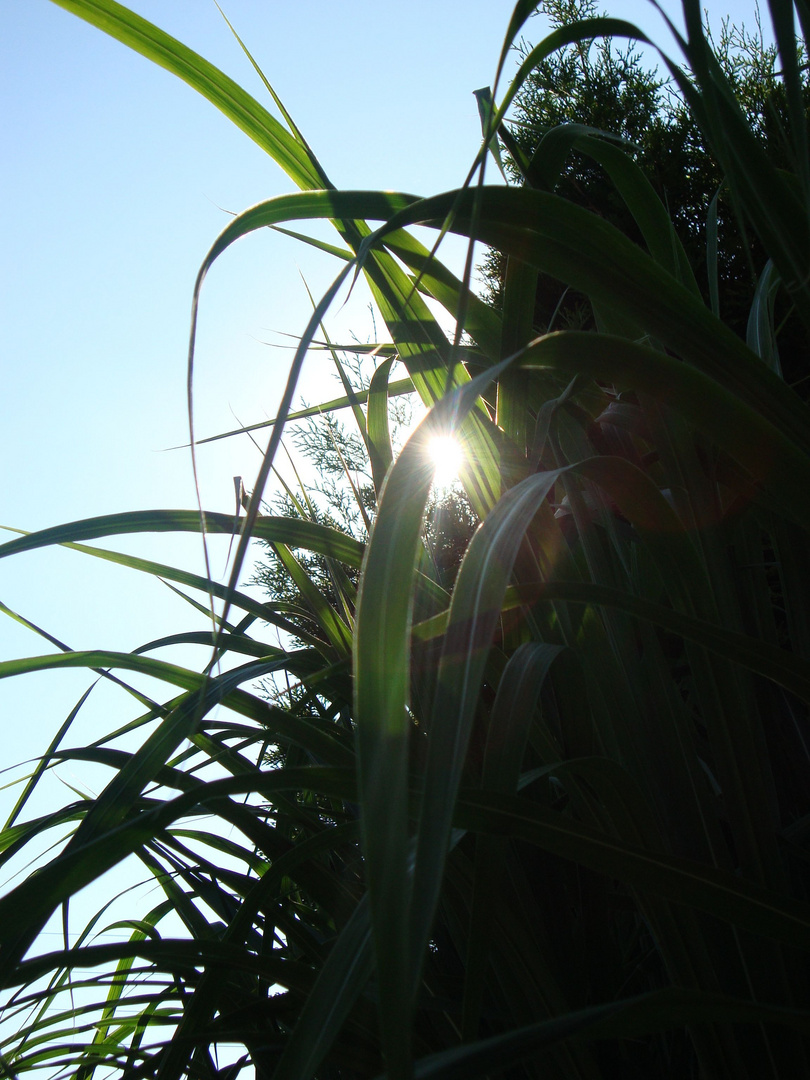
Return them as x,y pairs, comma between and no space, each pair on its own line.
445,453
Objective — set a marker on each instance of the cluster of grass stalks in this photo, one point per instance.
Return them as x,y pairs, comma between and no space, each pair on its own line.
554,822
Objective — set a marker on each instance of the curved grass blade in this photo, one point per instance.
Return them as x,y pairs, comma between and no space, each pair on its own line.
512,715
721,893
291,531
337,632
396,389
382,696
775,462
342,978
110,832
760,656
632,1018
474,612
760,333
378,437
555,236
167,52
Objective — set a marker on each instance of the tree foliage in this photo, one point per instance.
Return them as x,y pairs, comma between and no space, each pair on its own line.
342,496
613,88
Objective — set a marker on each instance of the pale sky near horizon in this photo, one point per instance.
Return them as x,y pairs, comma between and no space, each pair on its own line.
117,178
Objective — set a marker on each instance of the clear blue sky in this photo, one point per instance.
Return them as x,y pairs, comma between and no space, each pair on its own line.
115,181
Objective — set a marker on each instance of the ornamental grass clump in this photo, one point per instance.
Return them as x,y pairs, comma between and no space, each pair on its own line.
547,815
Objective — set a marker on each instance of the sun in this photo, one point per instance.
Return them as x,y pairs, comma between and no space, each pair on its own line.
445,453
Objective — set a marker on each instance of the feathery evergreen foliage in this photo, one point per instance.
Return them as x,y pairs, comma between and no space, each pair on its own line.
610,87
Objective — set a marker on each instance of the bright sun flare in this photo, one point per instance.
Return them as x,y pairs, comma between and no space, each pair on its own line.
446,455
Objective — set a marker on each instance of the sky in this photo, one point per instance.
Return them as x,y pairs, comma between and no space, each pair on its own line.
117,179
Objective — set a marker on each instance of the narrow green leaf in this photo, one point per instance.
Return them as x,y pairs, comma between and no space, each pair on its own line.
382,698
512,715
378,437
632,1018
169,53
721,893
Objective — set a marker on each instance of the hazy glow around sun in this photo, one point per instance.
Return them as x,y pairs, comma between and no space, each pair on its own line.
446,455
